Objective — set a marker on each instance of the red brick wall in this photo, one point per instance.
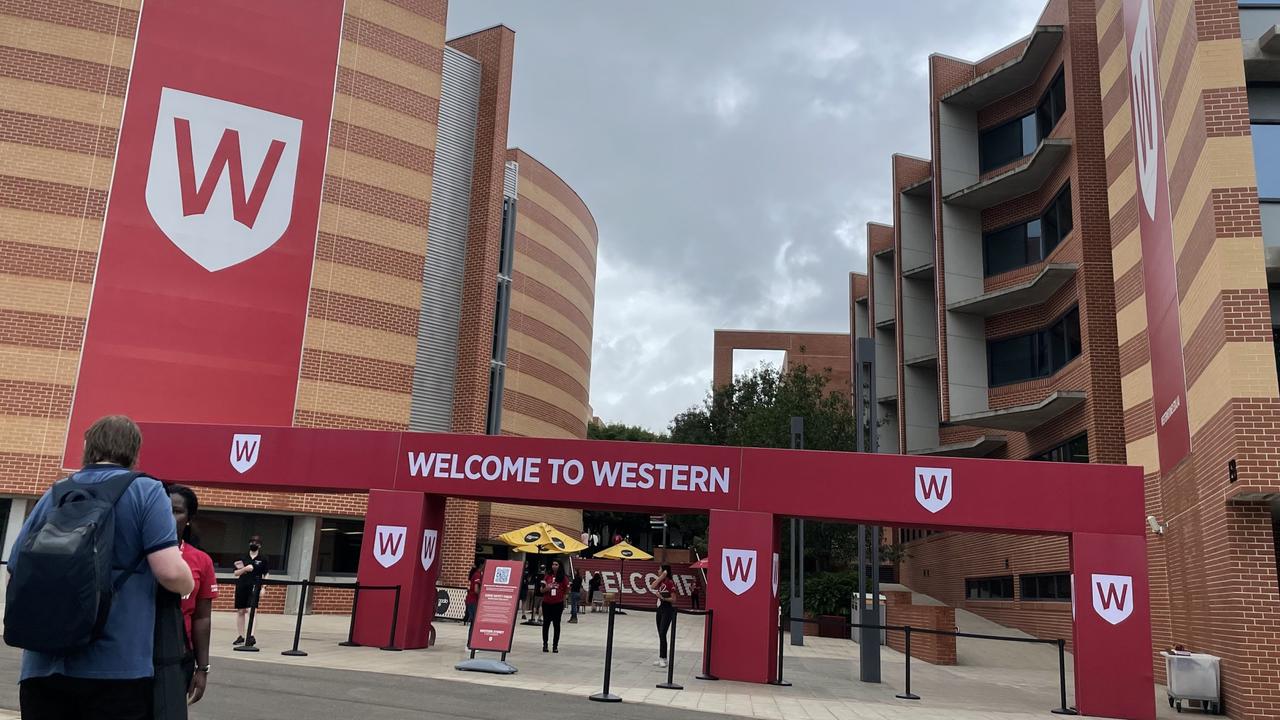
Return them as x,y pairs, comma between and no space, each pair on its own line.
934,649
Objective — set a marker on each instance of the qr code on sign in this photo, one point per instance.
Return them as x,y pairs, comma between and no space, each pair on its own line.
502,576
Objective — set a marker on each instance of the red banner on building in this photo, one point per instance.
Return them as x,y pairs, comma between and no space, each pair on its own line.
631,579
495,621
200,296
1155,224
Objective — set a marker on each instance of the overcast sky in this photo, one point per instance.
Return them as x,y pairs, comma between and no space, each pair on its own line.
731,151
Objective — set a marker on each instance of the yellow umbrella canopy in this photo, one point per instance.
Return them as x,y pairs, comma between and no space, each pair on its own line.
541,539
623,551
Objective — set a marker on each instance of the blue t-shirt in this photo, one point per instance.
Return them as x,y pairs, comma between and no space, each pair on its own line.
144,524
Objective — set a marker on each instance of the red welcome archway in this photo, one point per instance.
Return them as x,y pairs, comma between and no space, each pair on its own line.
745,490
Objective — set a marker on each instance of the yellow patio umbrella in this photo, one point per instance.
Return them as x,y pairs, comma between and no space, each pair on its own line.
622,552
541,539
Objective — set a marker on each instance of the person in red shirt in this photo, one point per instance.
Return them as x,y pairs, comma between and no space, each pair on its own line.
473,593
554,588
665,588
198,605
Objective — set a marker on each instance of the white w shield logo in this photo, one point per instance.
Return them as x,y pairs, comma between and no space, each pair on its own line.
933,488
222,175
738,570
388,544
244,452
1112,597
430,541
1147,133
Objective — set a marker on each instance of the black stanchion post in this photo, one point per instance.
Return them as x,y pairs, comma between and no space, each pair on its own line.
1062,708
907,695
297,628
395,620
250,642
670,684
780,682
351,629
706,648
604,695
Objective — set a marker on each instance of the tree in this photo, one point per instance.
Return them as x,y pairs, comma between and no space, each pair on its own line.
619,431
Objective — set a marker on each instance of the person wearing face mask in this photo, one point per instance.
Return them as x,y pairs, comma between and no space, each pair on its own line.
250,570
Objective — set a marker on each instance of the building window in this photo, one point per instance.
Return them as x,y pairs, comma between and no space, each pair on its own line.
1074,450
339,550
991,588
1035,355
1053,105
1028,242
225,536
1019,137
1047,586
1005,143
1266,151
906,535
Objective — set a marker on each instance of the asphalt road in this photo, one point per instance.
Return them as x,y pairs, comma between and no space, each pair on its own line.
247,690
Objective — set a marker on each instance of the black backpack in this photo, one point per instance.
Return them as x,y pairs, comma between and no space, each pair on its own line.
60,591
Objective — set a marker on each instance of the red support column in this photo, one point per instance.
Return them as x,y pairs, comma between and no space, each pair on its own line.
402,535
742,590
1111,619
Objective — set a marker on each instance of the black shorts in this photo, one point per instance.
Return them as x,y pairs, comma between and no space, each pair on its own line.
244,597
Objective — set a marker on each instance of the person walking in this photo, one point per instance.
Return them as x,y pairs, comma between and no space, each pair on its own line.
665,588
575,596
110,675
597,580
554,586
250,570
197,606
473,593
695,592
537,594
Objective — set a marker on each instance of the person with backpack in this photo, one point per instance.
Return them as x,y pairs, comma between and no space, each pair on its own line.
84,571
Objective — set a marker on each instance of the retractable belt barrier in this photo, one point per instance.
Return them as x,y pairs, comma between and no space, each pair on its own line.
615,608
356,589
907,630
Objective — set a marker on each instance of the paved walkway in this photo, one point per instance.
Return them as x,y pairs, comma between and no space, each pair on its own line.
1009,682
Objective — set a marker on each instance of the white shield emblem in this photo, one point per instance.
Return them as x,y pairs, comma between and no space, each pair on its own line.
388,544
933,488
1147,134
430,539
221,180
738,570
1112,597
775,574
244,451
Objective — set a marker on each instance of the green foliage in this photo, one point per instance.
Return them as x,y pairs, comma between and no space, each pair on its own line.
618,431
828,593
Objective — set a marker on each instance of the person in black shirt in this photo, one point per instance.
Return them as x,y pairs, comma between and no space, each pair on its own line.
575,596
250,570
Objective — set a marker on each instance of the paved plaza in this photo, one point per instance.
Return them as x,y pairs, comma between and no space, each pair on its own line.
996,680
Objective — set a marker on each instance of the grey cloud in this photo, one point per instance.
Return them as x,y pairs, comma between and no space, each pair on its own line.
731,153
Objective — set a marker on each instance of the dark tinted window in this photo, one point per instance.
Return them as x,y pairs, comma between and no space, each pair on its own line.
1052,106
1074,450
1029,242
1266,159
1049,586
1005,143
992,588
339,550
1007,249
225,536
1034,355
1057,220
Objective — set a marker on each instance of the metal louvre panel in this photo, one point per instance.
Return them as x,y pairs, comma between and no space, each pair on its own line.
434,372
511,179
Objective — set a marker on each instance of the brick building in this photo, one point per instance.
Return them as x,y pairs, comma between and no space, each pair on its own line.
1016,297
429,229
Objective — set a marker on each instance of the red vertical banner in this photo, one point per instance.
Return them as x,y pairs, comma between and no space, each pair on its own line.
204,273
400,548
742,595
1155,225
494,626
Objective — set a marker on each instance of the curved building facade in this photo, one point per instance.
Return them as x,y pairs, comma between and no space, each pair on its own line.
548,360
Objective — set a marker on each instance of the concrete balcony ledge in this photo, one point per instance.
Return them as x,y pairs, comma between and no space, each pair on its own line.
981,446
922,361
1024,418
919,272
885,324
888,399
1038,289
861,299
886,252
1012,76
920,188
1026,176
